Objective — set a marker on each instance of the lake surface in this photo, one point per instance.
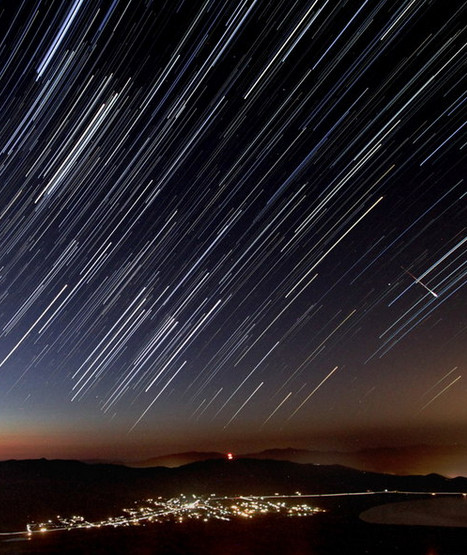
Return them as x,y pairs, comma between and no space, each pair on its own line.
437,511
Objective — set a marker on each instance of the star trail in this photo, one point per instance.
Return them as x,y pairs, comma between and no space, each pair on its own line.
226,221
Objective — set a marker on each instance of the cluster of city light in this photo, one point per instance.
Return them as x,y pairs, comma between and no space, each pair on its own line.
182,508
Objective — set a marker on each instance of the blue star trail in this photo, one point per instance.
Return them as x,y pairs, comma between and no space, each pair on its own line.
221,218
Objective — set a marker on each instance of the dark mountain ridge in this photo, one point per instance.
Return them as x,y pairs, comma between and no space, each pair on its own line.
448,460
178,459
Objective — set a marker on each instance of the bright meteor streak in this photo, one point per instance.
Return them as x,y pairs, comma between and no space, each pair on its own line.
420,282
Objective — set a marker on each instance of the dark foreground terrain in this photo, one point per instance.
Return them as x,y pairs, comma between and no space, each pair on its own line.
39,490
323,534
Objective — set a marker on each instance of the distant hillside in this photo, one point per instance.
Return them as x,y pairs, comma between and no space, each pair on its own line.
303,456
450,460
40,489
177,459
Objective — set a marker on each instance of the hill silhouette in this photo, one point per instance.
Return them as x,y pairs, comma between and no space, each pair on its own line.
178,459
448,460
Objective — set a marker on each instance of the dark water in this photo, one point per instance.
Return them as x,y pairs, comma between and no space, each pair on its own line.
324,534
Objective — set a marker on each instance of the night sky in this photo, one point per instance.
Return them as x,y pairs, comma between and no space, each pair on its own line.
231,225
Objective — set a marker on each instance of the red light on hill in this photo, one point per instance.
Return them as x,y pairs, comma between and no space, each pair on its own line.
230,456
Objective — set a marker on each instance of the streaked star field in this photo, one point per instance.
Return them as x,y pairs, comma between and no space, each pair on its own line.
231,224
